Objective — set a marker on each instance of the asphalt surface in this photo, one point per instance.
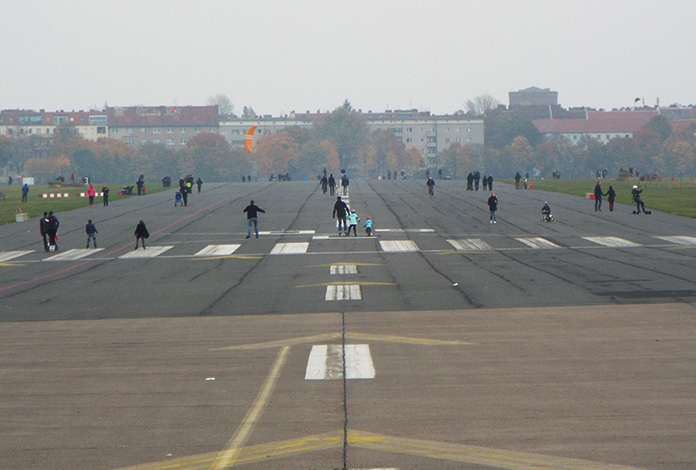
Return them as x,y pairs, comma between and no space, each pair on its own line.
514,345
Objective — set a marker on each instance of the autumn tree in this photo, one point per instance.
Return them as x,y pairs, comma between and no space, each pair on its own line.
458,159
480,104
660,125
276,153
315,156
346,130
211,156
387,152
223,103
677,155
501,128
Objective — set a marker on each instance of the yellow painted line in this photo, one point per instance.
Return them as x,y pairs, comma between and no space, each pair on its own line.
260,452
496,458
341,264
335,336
283,342
228,456
227,257
403,339
11,264
458,252
357,283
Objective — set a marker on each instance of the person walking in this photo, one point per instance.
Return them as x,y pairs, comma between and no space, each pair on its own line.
518,177
490,182
25,192
598,196
493,208
43,228
141,234
611,196
199,183
252,211
52,225
324,184
105,195
91,192
340,211
332,184
91,231
184,196
344,183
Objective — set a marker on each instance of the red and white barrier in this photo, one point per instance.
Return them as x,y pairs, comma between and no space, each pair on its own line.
96,194
52,195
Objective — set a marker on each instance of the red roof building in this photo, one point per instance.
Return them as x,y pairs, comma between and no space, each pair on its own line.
599,125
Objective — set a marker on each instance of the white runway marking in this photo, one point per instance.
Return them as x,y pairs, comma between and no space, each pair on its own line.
677,240
407,230
218,250
538,242
149,252
344,269
286,232
290,248
8,255
326,362
470,244
74,254
398,246
611,241
343,292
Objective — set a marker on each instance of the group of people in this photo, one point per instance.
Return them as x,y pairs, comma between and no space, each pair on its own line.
611,197
474,178
185,188
348,219
330,182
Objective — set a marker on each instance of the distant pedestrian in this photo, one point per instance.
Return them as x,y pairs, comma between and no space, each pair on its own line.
252,211
493,208
344,183
43,229
91,192
199,183
340,211
140,183
518,177
25,192
105,195
485,182
91,231
490,182
52,225
141,234
184,196
611,196
332,184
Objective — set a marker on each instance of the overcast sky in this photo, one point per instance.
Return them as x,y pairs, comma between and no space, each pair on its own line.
283,55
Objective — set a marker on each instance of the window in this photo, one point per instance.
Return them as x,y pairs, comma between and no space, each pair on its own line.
156,130
156,141
170,142
130,130
468,129
170,130
183,130
183,141
99,120
143,142
144,130
130,141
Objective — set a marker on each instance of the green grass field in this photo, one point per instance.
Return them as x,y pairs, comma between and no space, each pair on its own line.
35,206
676,196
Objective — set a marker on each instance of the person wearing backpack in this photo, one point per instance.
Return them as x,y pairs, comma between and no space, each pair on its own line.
52,225
141,233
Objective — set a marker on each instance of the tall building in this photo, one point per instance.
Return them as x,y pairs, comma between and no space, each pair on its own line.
168,125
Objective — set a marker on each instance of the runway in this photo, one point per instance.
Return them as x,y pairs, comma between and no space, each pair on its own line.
443,341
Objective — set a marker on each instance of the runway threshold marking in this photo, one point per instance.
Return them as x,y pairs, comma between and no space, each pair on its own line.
343,292
475,244
398,246
611,241
229,455
337,336
343,269
218,250
8,255
538,243
323,284
290,248
485,456
74,254
684,241
150,252
326,362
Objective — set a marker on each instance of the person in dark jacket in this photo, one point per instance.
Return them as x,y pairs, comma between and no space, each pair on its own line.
598,196
340,211
91,231
611,196
199,183
105,195
43,228
141,233
493,207
52,225
490,182
332,184
252,211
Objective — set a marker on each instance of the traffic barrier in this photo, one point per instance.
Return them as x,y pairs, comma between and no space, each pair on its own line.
589,196
96,194
52,195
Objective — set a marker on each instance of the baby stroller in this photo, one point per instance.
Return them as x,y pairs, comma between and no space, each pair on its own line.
177,199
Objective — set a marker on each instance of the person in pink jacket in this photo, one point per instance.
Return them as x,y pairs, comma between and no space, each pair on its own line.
91,192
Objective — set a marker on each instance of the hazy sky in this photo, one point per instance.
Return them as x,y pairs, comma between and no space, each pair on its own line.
283,55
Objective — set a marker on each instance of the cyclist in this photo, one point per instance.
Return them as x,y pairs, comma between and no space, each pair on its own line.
431,185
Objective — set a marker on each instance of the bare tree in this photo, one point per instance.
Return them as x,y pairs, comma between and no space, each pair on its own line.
480,104
224,104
